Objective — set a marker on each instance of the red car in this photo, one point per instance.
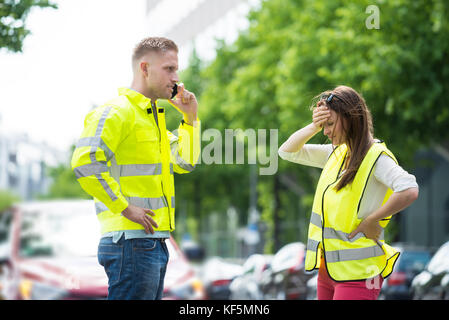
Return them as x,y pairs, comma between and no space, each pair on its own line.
48,250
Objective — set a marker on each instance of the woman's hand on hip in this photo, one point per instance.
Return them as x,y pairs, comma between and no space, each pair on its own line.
369,227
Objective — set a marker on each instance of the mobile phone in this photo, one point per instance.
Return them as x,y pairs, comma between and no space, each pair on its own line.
175,91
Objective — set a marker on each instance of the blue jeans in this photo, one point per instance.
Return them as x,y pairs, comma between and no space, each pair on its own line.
135,267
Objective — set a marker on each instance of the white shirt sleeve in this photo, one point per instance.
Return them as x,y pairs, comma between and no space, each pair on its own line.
314,155
392,175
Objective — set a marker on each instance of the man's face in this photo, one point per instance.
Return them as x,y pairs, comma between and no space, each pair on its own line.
162,73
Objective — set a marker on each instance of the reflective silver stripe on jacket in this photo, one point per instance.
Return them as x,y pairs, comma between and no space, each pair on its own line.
129,170
182,163
90,169
96,167
100,207
134,170
149,203
98,142
353,254
178,160
93,155
95,142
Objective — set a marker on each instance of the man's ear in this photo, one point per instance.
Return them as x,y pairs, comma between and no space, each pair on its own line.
144,67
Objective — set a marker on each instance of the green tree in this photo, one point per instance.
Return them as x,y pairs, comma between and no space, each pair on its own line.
7,199
64,183
13,15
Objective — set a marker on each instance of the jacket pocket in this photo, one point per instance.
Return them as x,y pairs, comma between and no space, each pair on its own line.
147,146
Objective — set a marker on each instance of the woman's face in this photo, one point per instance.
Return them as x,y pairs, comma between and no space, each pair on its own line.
333,129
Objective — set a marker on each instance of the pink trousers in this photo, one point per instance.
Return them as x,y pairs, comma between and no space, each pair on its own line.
328,289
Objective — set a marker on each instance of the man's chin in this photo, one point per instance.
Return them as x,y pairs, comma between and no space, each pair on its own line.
165,96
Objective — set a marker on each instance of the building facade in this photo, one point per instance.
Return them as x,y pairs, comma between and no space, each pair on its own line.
426,221
197,24
23,164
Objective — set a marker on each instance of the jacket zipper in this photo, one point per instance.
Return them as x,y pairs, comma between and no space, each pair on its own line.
155,113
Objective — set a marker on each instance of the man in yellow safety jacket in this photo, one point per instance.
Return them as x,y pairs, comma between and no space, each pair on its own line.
126,159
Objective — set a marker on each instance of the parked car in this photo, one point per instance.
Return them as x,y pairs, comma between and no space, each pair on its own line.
217,275
411,261
431,283
312,287
48,250
286,278
247,285
445,286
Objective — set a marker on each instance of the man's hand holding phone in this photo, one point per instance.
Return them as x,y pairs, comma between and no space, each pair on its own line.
185,102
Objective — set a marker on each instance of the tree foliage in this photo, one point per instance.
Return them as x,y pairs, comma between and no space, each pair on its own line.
7,199
64,183
13,15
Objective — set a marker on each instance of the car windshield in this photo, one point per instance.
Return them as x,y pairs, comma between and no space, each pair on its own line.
413,260
59,230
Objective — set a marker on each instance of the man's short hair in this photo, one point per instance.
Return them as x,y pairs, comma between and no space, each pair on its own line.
153,44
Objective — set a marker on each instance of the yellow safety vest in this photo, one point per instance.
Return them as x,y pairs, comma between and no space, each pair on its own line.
125,157
334,217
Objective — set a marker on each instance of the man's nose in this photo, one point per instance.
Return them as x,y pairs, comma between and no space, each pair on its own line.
175,78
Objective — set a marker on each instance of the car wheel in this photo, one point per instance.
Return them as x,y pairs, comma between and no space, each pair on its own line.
382,296
416,296
281,295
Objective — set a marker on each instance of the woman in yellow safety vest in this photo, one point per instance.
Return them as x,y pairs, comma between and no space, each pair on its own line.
360,188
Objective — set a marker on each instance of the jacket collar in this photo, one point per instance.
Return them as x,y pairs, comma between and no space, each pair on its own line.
136,98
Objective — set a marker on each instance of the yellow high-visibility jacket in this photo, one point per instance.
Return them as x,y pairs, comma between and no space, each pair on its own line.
125,156
334,217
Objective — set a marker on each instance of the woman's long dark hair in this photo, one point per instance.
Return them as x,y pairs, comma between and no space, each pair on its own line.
357,124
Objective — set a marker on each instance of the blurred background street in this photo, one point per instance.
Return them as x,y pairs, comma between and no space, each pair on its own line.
252,64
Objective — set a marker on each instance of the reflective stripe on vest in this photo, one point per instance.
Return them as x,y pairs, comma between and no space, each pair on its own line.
312,245
353,254
315,219
331,233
